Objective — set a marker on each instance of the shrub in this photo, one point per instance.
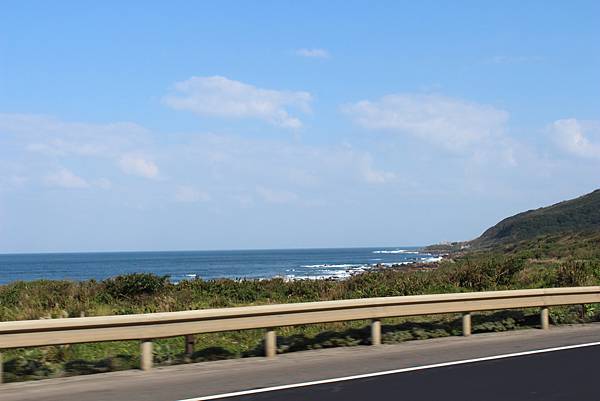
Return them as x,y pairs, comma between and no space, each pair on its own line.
573,273
135,285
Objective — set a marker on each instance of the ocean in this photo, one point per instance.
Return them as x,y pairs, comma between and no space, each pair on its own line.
181,265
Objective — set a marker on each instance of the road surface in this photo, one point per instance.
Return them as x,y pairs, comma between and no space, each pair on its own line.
568,374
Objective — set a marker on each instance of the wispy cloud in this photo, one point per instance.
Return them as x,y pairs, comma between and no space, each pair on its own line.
138,165
573,137
243,177
51,136
222,97
102,183
190,194
62,147
313,53
373,175
448,122
230,165
65,178
276,195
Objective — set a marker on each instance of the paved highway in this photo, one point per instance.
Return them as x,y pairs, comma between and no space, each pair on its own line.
560,375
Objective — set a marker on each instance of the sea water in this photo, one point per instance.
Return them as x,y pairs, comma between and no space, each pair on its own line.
181,265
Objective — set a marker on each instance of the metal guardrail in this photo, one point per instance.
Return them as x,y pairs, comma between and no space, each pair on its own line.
145,327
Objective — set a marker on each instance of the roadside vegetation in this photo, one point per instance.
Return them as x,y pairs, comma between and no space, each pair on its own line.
544,262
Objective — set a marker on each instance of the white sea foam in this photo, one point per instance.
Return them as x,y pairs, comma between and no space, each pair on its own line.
337,272
397,251
432,259
342,271
345,265
345,270
389,264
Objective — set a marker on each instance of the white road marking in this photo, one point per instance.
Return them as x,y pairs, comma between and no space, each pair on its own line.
388,372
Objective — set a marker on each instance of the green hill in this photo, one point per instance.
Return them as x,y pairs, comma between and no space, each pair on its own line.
580,216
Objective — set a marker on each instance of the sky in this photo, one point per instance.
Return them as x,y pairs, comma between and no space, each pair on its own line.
188,125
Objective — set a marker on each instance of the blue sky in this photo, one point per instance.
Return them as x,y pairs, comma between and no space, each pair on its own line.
227,125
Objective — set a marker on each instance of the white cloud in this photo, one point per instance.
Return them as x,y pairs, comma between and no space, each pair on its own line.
102,183
573,136
317,184
452,123
313,53
189,194
138,165
276,196
53,137
12,181
373,175
223,97
65,178
231,166
60,147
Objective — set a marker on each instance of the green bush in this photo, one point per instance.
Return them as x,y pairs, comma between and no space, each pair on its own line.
573,273
135,285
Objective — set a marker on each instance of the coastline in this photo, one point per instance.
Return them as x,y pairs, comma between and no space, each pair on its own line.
433,263
290,264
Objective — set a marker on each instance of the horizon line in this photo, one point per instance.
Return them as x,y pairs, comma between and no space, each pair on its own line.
206,250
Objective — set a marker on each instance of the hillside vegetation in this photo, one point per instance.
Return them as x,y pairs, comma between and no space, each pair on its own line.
571,220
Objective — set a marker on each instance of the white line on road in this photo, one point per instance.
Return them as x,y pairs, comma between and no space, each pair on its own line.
388,372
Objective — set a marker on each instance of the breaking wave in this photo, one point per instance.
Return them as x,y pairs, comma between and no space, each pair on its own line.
397,251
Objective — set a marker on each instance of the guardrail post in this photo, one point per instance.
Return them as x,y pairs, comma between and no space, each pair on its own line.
190,342
544,319
1,370
146,355
466,324
270,343
376,332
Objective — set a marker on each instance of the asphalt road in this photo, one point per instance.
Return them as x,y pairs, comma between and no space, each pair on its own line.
568,375
561,375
